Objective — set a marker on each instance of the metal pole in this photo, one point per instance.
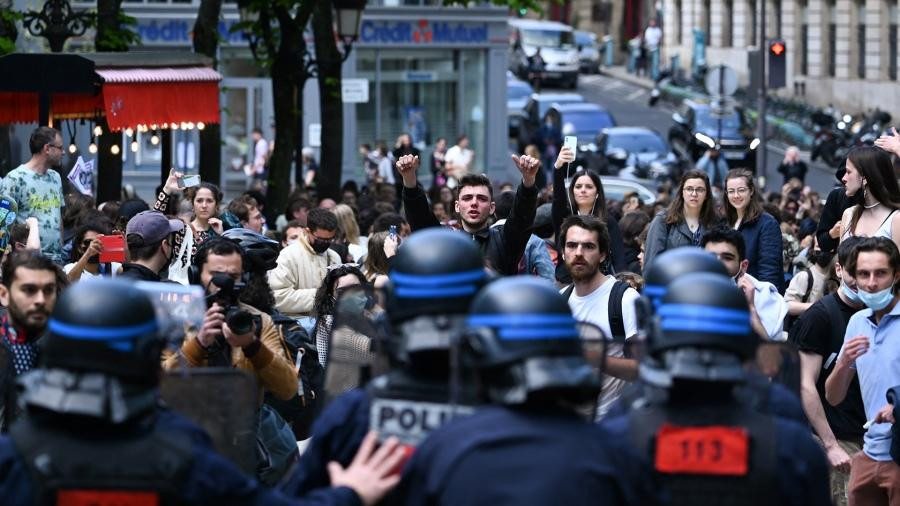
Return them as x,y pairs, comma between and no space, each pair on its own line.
721,98
762,149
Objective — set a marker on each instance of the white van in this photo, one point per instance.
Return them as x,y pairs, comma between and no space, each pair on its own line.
558,50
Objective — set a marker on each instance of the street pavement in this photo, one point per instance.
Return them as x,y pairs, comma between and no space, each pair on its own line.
628,104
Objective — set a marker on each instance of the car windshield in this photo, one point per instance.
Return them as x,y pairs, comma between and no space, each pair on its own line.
548,38
517,91
706,121
544,105
586,122
639,142
583,39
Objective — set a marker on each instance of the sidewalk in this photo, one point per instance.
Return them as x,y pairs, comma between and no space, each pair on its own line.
620,72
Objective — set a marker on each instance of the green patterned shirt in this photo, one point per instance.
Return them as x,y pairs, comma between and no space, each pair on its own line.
41,196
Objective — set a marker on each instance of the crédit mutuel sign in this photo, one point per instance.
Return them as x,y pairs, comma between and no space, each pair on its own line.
423,32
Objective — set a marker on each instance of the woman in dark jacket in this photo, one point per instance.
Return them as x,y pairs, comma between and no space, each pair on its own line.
762,235
691,213
584,196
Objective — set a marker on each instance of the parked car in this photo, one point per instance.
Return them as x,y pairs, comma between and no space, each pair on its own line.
517,94
638,152
557,44
588,51
696,130
615,188
535,111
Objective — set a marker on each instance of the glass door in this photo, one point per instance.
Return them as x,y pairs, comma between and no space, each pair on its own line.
245,104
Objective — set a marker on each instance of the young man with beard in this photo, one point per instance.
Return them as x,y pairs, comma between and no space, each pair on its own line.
767,306
600,300
30,285
819,334
502,246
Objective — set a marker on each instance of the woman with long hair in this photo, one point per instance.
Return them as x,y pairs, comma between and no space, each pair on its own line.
205,199
349,230
337,280
691,213
585,197
872,187
762,235
381,249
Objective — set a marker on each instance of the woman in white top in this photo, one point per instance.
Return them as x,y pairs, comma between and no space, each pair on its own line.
86,248
872,186
349,230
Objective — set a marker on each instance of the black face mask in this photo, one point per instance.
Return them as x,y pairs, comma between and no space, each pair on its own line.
320,246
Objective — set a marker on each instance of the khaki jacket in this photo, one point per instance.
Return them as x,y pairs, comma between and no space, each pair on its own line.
270,365
297,277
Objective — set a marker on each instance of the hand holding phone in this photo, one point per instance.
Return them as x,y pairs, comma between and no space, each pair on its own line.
571,142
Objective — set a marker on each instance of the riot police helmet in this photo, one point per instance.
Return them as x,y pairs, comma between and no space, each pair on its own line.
432,280
704,331
523,340
674,263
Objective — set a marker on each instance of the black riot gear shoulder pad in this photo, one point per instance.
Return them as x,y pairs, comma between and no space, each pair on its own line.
435,272
675,263
522,337
104,326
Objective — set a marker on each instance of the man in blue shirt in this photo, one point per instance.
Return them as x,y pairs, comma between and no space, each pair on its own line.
872,350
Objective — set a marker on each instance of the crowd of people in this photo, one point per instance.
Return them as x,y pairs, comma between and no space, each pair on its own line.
574,335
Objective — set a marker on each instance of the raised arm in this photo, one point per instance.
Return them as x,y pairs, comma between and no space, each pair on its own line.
415,203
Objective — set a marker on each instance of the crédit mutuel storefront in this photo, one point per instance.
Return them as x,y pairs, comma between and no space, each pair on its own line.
432,72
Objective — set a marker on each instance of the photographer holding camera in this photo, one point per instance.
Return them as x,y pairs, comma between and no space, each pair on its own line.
234,334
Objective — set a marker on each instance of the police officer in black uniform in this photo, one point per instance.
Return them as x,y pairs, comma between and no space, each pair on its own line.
757,390
709,445
535,444
93,432
433,278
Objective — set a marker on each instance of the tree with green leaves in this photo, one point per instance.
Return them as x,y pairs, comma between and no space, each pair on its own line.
8,34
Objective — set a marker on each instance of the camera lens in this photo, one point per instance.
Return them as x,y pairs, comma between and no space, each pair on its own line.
239,321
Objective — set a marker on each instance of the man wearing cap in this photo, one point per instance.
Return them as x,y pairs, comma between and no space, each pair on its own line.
149,237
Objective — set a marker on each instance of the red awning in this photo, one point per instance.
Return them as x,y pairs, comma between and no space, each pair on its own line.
130,97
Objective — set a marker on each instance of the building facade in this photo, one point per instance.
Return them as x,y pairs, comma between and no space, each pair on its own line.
840,52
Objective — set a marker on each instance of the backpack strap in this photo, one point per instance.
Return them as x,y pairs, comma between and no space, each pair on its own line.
568,291
809,284
616,321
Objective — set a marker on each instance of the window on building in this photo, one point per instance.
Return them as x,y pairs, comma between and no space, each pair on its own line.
678,22
832,39
861,40
777,4
728,23
804,38
892,41
706,19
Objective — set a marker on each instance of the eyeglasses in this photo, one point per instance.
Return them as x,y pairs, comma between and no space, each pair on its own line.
738,191
695,191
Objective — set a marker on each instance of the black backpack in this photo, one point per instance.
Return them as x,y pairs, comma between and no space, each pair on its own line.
616,321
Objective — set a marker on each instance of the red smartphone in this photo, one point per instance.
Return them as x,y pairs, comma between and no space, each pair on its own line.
113,249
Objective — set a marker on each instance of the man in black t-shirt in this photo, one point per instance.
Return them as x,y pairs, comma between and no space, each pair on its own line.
819,335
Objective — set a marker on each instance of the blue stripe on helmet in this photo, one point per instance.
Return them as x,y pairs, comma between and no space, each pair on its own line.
713,327
435,293
523,334
654,291
437,280
89,333
703,312
520,320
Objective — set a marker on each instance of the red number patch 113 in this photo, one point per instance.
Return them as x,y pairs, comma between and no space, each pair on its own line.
712,450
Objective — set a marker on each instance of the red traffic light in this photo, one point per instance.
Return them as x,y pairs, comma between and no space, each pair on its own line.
777,48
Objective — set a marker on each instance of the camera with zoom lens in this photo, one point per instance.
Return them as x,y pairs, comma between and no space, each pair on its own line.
239,320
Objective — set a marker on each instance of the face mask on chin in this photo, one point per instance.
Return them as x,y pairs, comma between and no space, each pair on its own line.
851,295
878,300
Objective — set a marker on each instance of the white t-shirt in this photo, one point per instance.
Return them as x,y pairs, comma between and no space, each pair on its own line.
459,157
652,37
386,170
115,266
594,308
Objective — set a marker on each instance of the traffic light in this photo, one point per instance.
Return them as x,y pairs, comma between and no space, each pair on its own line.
777,58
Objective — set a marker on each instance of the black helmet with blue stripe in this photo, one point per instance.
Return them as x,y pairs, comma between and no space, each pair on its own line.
105,326
674,263
704,331
522,338
433,278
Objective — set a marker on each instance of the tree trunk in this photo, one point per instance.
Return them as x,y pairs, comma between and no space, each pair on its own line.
330,104
206,42
107,24
286,94
9,32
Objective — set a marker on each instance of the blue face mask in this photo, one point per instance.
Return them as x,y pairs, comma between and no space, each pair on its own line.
852,295
878,300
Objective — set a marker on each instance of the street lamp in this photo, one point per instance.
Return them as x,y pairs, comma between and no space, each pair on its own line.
349,13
